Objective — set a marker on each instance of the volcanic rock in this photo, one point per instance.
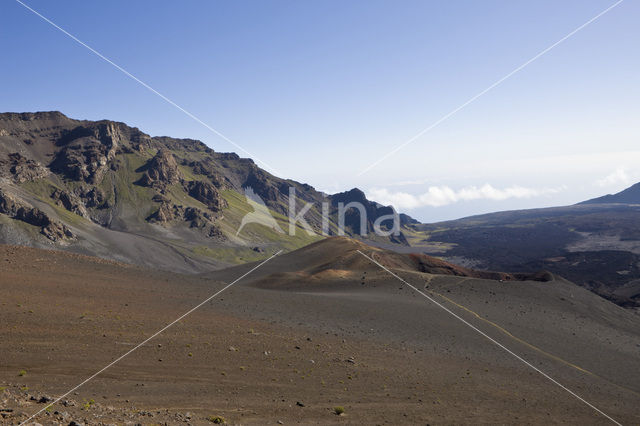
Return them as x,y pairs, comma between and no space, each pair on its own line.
87,152
21,169
22,211
161,171
207,194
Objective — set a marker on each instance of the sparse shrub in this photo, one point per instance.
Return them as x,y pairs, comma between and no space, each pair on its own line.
338,411
217,420
22,373
88,404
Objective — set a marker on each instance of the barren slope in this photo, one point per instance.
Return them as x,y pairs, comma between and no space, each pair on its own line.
321,326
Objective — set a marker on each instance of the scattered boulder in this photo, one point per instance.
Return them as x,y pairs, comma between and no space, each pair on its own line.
45,399
216,232
92,197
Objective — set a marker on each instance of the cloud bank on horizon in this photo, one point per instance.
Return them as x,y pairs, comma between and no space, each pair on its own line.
443,195
618,176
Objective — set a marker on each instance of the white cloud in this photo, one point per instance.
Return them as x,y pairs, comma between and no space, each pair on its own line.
438,196
618,176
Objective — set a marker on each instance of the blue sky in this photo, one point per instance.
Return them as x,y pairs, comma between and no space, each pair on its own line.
319,90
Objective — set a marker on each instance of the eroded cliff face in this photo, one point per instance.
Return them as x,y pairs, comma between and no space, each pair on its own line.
163,172
207,194
87,152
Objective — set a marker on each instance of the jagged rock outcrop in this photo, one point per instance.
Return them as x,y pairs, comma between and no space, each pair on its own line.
20,169
70,202
21,210
116,176
207,194
81,200
196,217
161,171
87,152
164,214
204,221
372,213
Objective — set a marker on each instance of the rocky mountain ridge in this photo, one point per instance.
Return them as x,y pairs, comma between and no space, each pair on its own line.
73,180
